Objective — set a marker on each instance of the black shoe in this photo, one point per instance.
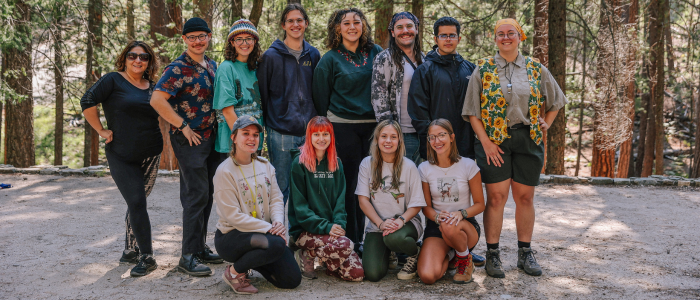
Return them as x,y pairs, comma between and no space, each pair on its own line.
145,265
209,257
190,264
130,256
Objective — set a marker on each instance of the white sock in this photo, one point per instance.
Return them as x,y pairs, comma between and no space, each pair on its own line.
462,254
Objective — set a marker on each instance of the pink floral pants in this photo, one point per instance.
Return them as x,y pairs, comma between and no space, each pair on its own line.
338,255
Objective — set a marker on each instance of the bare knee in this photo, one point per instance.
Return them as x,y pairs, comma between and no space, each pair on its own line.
496,199
524,200
428,276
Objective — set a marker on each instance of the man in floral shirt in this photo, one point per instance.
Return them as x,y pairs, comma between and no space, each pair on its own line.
184,97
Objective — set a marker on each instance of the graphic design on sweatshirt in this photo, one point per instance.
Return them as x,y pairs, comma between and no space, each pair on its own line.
448,188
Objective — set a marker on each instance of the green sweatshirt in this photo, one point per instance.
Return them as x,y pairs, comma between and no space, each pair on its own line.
342,82
316,199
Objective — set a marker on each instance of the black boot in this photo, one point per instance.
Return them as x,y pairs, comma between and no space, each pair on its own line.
130,256
209,257
145,265
190,264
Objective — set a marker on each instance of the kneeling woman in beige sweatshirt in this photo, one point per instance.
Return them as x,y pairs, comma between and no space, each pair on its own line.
251,232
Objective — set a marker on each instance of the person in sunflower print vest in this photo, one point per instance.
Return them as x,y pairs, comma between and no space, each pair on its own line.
505,99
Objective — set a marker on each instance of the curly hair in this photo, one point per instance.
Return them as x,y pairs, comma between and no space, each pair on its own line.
334,38
253,59
153,63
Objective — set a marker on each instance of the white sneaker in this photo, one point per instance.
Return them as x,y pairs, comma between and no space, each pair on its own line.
408,271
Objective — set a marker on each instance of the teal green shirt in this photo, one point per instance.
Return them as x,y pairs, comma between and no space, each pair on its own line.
235,85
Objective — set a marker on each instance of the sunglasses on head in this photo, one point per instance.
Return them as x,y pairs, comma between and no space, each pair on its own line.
142,56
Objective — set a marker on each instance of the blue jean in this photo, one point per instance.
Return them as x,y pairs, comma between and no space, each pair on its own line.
278,147
412,144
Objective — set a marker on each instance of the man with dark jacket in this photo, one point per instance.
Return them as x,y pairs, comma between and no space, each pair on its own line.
438,88
284,75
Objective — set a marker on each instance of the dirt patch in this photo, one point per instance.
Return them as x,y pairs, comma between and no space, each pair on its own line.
61,238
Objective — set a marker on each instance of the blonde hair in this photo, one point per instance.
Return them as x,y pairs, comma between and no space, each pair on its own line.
454,154
377,161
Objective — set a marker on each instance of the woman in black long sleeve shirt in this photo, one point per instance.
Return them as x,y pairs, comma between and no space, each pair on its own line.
133,142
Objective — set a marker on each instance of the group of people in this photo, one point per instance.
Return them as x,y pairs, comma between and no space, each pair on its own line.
389,136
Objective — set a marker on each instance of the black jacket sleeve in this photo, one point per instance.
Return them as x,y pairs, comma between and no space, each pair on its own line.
98,92
419,104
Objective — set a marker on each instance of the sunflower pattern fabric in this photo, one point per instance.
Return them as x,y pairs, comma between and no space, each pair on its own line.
494,105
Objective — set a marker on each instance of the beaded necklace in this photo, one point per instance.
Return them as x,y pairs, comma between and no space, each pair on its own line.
364,55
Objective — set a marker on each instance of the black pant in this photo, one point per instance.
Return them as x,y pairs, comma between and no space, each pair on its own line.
353,146
135,181
197,168
266,253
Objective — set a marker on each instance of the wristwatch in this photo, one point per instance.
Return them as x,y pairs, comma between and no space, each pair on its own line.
464,212
184,123
402,219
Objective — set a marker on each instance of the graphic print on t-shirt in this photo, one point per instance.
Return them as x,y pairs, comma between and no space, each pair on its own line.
449,189
385,188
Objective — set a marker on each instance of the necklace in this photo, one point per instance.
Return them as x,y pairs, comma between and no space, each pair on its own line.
349,59
254,197
445,170
510,84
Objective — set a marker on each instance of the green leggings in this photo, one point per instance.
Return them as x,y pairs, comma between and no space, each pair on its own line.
375,257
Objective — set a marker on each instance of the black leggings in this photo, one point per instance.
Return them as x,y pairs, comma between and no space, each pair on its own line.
266,253
135,181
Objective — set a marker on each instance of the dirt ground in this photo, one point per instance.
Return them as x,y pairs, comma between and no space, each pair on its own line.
61,238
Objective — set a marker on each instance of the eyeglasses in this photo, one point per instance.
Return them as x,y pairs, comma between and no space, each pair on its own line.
297,21
201,37
141,56
451,36
442,136
501,35
247,41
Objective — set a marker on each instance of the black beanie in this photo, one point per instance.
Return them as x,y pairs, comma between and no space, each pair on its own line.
195,24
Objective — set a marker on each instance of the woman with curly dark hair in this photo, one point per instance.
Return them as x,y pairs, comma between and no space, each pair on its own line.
341,91
133,142
236,89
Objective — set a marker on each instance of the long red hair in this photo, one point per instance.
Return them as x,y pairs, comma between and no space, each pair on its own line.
308,152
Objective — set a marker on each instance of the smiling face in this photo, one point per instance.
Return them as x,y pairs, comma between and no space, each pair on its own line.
447,45
247,139
244,44
351,27
507,38
136,66
295,25
321,140
440,140
405,33
388,140
197,46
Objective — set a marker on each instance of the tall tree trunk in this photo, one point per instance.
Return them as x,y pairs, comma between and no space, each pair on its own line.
382,16
236,10
130,31
658,10
624,163
643,118
556,143
540,48
58,82
3,67
256,11
583,101
668,37
512,8
695,172
417,7
92,74
204,9
19,136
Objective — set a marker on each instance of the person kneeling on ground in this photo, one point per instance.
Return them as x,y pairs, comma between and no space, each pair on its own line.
251,232
388,187
317,206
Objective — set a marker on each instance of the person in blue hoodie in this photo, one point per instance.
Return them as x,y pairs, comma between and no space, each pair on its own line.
284,75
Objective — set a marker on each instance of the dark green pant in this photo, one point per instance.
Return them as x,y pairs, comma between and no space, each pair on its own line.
375,257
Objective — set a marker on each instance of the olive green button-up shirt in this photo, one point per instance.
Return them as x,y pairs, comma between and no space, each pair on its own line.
517,100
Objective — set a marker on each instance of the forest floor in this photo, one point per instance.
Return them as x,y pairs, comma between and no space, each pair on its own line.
61,238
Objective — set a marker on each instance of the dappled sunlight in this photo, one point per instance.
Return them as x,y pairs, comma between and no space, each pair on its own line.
34,217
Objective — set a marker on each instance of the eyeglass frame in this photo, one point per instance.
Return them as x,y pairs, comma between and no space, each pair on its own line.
444,36
510,35
251,39
139,56
294,22
441,136
194,38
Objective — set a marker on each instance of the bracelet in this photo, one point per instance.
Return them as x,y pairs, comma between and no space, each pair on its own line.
380,225
436,219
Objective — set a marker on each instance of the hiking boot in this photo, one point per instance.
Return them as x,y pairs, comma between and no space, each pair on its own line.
478,260
130,256
465,268
240,284
408,271
209,257
306,264
493,264
527,262
190,264
145,265
393,261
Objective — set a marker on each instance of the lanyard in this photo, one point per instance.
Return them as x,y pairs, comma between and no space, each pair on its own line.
254,197
409,60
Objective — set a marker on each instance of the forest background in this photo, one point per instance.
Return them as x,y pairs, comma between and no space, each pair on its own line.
628,67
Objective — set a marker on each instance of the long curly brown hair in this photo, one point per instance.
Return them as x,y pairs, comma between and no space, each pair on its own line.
334,38
253,59
153,62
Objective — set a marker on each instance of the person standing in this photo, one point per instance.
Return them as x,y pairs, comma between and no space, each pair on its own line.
391,78
342,82
509,150
184,98
285,75
133,142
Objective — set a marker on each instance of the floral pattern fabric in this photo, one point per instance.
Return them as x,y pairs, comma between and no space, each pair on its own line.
191,87
494,105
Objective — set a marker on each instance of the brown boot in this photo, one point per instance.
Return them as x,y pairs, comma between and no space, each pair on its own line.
465,268
306,264
240,284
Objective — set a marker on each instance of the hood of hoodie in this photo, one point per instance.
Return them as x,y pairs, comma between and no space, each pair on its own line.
435,57
282,48
295,152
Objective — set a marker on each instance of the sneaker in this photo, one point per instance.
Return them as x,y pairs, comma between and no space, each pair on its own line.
306,264
209,257
527,262
240,284
145,265
393,261
465,268
190,264
408,271
493,264
130,256
478,260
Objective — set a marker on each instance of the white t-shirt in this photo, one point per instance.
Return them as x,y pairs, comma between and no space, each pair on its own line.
405,119
449,187
389,202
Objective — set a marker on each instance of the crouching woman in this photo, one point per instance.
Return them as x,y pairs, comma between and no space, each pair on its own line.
251,232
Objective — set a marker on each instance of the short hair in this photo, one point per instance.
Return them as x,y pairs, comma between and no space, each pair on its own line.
153,63
445,21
